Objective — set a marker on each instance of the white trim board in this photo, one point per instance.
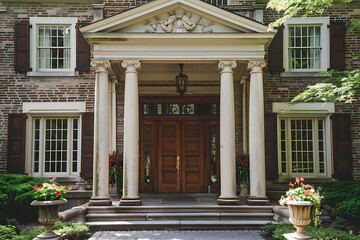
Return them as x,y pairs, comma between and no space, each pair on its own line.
54,107
304,107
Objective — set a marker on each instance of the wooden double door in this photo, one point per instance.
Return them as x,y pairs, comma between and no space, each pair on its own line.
181,156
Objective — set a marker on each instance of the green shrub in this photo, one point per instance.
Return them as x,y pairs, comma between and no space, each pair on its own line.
29,235
283,228
330,233
59,225
75,231
7,232
340,223
16,193
344,196
278,230
269,227
13,223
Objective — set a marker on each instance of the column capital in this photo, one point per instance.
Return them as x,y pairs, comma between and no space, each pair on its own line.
258,63
131,63
243,80
114,79
101,65
227,63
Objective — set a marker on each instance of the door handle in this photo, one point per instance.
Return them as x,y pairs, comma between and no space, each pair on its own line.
178,164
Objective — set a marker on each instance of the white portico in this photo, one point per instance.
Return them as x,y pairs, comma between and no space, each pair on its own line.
132,44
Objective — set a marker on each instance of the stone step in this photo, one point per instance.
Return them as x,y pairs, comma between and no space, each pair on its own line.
179,209
177,225
177,216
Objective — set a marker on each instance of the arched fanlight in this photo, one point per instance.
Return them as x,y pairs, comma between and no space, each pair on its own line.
181,81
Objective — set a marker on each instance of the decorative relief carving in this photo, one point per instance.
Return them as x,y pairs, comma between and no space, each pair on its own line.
100,63
252,64
131,63
223,64
179,23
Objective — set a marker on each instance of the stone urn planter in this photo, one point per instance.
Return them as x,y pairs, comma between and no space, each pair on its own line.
48,216
82,185
300,218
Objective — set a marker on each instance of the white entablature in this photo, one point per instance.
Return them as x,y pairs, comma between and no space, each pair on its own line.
177,30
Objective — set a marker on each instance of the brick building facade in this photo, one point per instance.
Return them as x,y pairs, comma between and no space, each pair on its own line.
279,87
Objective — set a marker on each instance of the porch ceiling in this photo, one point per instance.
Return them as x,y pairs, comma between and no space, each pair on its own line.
163,73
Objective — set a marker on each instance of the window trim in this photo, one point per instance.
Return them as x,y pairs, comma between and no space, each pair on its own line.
327,146
34,22
56,110
325,42
69,172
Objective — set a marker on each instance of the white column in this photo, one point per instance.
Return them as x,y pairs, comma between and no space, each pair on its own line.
256,133
131,135
227,134
101,136
243,82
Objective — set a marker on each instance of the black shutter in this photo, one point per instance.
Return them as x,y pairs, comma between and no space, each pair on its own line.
271,150
22,46
276,52
16,143
82,52
342,149
337,46
87,145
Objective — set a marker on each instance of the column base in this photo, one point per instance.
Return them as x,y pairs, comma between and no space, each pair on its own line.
257,200
228,201
100,201
130,201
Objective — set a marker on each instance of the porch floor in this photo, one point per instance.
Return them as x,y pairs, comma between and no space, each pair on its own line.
199,199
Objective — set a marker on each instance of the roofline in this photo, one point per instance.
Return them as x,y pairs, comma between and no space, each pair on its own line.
158,4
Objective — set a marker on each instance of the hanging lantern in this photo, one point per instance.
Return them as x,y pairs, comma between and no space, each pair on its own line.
181,81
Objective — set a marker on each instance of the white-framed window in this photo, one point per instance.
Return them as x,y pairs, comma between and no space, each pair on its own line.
304,139
302,146
56,146
53,138
306,44
53,46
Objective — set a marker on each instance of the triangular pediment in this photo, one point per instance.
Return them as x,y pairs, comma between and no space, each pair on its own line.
176,16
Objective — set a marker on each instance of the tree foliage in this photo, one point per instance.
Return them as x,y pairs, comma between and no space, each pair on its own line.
342,85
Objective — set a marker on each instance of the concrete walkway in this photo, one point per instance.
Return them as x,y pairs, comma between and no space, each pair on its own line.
179,235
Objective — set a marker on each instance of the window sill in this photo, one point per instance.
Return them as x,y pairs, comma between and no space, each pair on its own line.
53,74
303,74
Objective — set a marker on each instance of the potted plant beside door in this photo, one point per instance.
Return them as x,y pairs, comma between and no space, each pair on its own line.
48,199
300,199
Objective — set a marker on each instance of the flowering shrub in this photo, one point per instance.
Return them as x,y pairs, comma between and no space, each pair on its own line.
50,191
299,191
115,168
242,169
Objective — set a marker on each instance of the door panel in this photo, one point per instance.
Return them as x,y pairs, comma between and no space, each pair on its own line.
191,163
168,153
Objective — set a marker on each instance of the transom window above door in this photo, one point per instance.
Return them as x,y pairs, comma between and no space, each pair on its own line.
153,109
